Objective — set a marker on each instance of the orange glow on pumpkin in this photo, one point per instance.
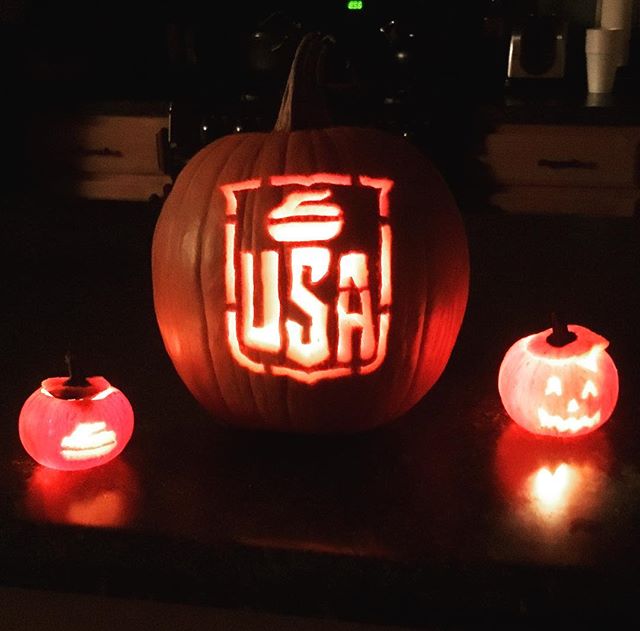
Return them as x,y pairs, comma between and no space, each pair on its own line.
267,336
301,218
88,440
309,305
344,190
354,280
75,427
561,391
316,350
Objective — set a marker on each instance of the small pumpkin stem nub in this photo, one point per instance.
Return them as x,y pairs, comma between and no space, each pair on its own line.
73,379
561,336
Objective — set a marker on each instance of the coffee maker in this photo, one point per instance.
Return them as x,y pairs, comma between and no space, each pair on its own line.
538,48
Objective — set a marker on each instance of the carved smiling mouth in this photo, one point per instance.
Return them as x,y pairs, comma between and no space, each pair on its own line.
88,440
570,424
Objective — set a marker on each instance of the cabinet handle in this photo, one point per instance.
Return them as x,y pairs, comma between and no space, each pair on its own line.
106,152
567,164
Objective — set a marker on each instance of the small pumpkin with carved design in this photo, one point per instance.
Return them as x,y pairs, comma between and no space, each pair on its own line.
559,382
72,423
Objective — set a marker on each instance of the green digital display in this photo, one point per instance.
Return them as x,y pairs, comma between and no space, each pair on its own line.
355,5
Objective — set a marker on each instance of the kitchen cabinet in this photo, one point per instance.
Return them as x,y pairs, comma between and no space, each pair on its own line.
586,169
110,156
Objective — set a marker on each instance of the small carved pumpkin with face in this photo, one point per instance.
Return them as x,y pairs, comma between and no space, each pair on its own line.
566,389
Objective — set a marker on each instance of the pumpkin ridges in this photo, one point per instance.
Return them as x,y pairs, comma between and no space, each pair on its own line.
269,161
173,232
200,266
302,157
323,152
260,386
342,141
349,138
437,335
414,353
314,150
414,350
283,404
167,224
420,295
278,391
406,391
425,312
308,153
446,307
240,388
288,388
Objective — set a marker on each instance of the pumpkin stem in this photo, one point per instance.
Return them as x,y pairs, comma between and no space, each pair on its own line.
561,336
73,379
303,103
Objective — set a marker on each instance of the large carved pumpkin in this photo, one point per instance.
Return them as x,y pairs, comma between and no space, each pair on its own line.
311,279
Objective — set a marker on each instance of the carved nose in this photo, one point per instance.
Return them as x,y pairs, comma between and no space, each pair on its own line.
573,406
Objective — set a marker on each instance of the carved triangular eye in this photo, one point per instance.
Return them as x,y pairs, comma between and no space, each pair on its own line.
554,386
589,389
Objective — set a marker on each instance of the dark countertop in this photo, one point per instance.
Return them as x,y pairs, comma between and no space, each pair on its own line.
526,106
427,520
562,102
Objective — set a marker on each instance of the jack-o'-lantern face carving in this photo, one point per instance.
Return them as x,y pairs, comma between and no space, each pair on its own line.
571,405
305,296
564,391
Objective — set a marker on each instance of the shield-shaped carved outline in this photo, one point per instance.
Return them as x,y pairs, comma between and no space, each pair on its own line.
310,376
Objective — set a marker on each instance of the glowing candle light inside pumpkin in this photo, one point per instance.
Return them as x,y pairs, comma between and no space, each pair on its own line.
73,423
338,331
559,382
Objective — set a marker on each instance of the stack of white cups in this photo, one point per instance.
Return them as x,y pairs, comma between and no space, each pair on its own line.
607,47
618,14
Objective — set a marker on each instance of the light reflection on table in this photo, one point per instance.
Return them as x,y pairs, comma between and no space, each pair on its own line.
555,492
105,496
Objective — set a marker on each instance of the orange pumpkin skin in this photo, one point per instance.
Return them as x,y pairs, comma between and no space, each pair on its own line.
429,277
70,428
567,390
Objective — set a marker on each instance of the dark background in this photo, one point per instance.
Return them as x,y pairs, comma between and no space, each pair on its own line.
434,72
